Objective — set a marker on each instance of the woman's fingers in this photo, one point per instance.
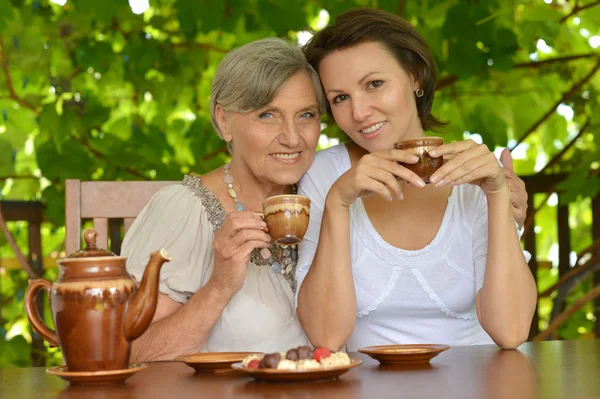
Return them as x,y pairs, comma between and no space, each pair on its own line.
462,170
245,235
469,171
460,161
396,155
237,229
392,166
376,187
246,248
390,182
456,147
237,221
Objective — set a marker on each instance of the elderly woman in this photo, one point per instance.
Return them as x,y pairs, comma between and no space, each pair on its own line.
227,287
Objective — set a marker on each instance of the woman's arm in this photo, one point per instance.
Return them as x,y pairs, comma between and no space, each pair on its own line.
178,329
327,298
507,299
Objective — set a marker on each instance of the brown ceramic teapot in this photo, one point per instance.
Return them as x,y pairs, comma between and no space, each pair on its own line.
97,307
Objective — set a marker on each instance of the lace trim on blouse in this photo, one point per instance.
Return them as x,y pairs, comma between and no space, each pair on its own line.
216,215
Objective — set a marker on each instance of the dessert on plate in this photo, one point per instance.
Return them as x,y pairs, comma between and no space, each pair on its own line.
300,358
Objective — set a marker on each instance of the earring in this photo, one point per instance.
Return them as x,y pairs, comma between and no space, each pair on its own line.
419,92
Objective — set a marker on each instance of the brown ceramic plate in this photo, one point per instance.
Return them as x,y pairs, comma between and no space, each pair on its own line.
324,373
213,362
404,354
95,377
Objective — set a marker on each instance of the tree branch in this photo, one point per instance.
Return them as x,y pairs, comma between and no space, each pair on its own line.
117,27
11,241
595,292
74,73
577,9
575,271
566,96
9,84
102,156
558,156
450,80
446,81
505,93
537,64
19,177
400,9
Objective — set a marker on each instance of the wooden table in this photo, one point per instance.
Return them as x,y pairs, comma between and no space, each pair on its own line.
557,369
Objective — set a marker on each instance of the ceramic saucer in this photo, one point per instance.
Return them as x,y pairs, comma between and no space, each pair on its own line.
213,362
408,354
95,377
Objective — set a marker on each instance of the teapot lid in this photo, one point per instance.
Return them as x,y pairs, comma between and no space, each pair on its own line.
91,250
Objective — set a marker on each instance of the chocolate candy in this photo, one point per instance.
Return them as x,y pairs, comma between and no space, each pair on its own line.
270,361
305,352
292,354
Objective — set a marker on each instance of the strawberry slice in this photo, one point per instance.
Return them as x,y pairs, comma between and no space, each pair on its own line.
254,364
321,353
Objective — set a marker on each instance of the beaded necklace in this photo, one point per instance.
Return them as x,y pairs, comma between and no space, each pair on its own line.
290,255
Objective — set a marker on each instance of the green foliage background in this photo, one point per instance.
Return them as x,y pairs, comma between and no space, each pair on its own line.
91,91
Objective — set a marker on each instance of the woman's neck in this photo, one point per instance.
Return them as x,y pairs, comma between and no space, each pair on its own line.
250,190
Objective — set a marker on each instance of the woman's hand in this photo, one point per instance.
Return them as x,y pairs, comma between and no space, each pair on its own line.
518,191
469,163
239,235
376,172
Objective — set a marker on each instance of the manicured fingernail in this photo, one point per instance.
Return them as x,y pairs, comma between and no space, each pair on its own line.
401,196
440,183
420,183
414,158
433,178
389,198
432,152
263,224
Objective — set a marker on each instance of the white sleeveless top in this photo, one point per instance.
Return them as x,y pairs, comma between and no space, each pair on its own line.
182,218
406,296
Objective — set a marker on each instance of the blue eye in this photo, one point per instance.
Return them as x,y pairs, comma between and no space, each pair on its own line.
340,98
265,115
307,114
374,84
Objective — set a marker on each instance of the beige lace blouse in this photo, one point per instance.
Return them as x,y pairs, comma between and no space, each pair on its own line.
182,218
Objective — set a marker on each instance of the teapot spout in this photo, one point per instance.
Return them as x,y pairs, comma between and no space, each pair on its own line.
143,304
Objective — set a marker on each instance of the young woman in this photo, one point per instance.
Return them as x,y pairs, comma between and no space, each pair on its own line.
414,263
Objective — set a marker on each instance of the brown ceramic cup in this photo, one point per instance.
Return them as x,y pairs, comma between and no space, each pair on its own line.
420,147
287,217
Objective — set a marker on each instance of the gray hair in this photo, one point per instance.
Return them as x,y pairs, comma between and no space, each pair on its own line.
249,77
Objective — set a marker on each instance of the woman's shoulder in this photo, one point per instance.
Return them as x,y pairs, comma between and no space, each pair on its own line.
330,161
337,152
471,202
178,198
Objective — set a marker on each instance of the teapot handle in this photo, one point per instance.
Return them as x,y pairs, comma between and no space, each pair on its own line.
32,314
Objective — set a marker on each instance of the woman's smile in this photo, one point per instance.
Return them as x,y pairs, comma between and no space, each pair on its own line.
372,130
287,158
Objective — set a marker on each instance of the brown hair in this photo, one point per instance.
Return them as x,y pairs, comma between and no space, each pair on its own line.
402,40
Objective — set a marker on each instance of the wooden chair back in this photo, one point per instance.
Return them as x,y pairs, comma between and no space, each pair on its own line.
101,201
